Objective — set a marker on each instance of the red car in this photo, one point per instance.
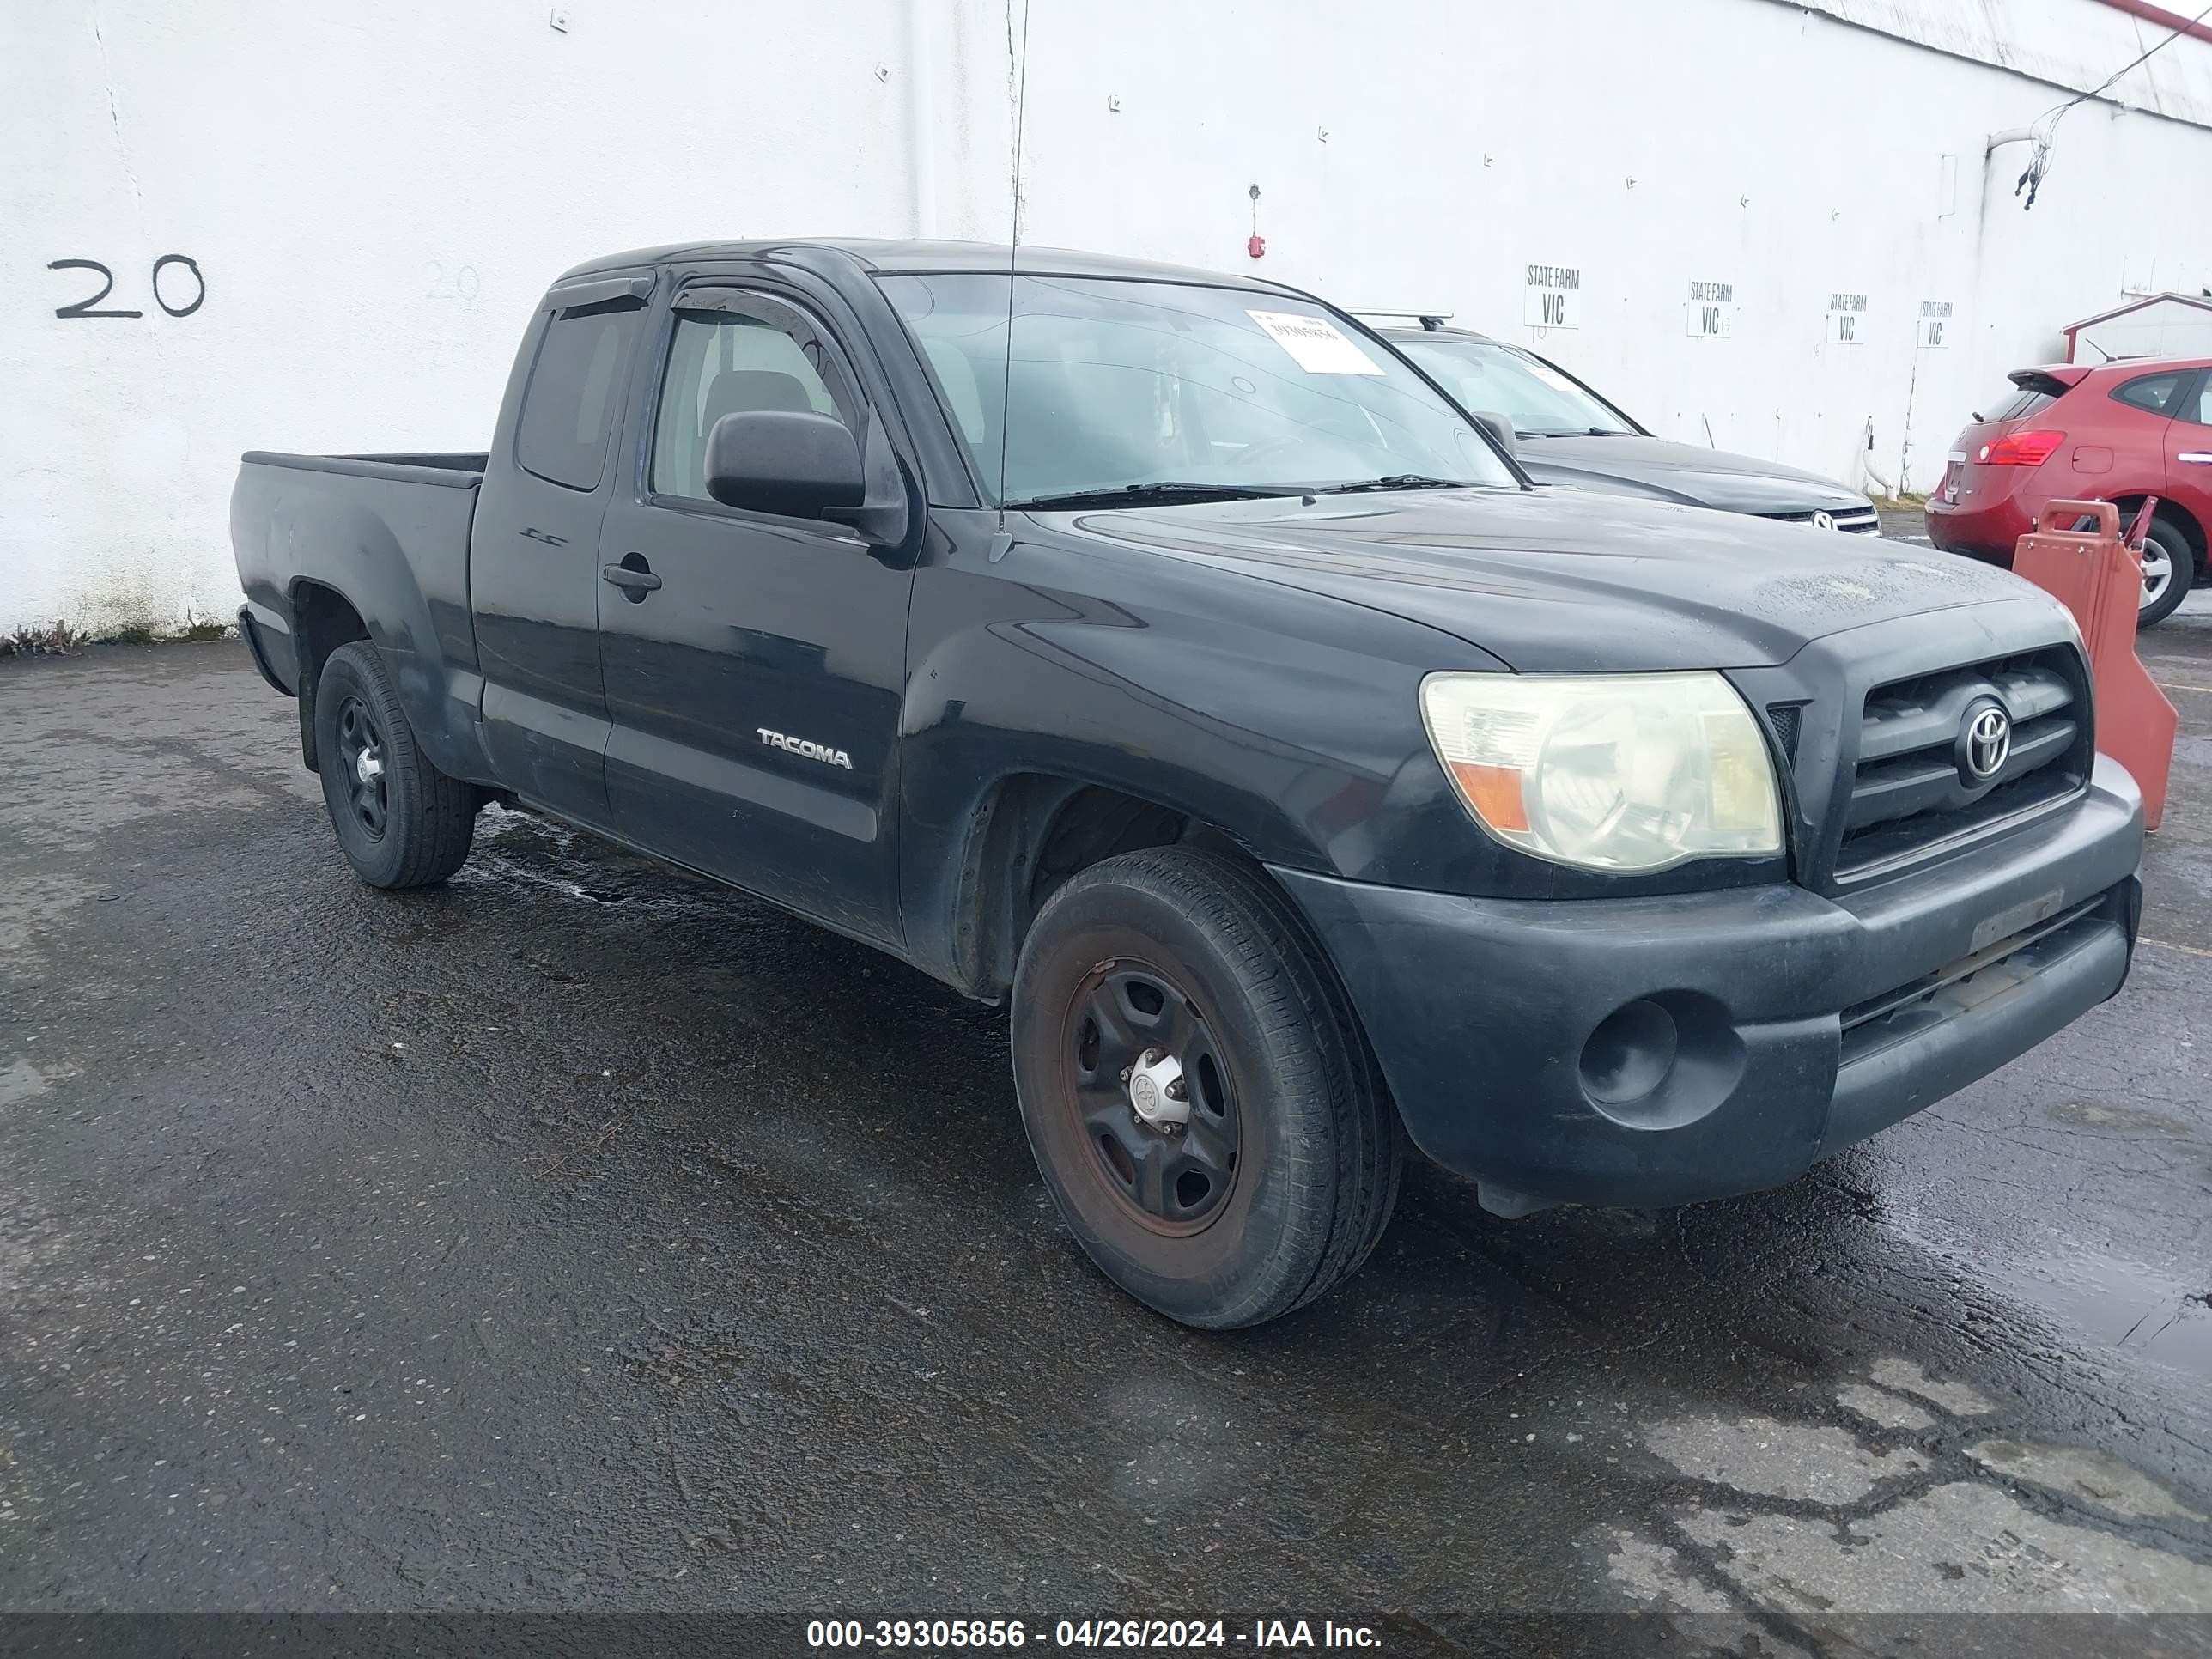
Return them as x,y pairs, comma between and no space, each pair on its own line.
2118,432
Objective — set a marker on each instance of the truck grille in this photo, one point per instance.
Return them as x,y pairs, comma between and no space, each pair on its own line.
1852,520
1911,794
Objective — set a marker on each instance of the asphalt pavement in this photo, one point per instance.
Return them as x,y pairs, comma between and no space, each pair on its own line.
583,1237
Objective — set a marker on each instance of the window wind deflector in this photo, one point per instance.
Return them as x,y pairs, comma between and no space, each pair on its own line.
1155,494
573,296
707,300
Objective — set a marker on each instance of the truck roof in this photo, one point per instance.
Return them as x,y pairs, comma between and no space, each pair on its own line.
890,256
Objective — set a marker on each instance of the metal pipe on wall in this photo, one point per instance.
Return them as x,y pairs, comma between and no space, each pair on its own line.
2160,16
920,117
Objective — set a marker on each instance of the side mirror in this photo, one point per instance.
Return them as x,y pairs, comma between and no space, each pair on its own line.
1499,428
800,465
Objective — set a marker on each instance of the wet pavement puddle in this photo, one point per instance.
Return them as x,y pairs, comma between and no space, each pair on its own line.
2095,1301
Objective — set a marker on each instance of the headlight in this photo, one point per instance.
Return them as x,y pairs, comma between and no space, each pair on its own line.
1628,772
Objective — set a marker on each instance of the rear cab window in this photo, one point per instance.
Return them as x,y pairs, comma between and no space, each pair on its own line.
575,387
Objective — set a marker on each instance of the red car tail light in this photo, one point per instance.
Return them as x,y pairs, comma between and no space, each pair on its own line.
2023,448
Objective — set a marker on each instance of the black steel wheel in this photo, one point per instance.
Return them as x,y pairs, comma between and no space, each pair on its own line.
1156,1094
361,758
400,821
1200,1100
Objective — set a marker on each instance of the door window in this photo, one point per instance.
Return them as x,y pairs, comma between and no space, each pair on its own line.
763,356
574,389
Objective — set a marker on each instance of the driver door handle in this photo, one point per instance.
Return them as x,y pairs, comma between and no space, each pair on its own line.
2197,455
634,580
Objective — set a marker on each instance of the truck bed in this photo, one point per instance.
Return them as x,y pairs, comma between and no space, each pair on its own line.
390,534
469,462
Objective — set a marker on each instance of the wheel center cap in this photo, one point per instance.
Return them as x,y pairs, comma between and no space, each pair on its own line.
1156,1090
369,766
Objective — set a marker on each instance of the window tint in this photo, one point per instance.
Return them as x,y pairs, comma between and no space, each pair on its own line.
2153,392
729,364
573,392
2203,415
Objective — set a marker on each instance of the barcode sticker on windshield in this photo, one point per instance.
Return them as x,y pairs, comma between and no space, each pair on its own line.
1314,344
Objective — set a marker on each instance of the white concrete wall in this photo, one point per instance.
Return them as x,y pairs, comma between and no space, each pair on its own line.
376,196
1787,152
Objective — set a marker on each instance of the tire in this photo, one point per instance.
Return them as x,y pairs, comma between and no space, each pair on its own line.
1282,1182
2163,537
404,823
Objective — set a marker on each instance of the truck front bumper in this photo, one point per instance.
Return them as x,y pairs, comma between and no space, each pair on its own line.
1657,1051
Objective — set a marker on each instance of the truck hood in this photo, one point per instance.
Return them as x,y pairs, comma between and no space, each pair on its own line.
1548,582
1662,471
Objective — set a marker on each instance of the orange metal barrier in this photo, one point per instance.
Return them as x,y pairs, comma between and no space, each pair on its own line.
2094,574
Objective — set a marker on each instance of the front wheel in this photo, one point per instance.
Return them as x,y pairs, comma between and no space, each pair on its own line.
2169,567
400,821
1199,1096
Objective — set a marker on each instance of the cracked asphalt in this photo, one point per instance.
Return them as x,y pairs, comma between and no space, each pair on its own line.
583,1237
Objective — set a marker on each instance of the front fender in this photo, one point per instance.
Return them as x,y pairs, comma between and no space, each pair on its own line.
1288,721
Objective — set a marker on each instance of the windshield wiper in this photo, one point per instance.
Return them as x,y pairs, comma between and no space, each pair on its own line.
1395,481
1161,494
1578,432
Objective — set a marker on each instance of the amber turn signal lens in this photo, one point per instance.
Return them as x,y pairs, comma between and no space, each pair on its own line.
1494,791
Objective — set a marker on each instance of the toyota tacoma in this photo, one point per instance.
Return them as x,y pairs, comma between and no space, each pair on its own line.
1161,655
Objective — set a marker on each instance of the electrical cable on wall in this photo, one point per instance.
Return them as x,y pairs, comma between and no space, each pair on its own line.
2045,128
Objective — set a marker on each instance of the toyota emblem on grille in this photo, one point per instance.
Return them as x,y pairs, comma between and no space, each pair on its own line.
1985,742
1824,519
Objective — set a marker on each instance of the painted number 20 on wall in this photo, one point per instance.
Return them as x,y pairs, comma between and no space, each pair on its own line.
173,276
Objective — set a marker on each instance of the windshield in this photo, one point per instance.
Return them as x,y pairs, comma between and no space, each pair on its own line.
1488,379
1116,384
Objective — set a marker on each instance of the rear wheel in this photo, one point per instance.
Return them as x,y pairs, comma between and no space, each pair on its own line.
1199,1098
2169,568
400,821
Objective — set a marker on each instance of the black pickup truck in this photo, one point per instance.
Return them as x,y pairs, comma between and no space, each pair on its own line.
1163,654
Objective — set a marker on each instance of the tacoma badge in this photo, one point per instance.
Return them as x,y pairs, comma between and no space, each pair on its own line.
805,746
